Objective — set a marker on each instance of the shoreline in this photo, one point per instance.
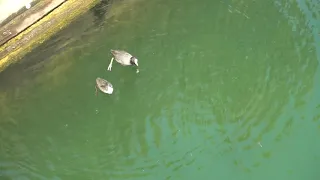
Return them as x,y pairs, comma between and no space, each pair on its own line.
27,29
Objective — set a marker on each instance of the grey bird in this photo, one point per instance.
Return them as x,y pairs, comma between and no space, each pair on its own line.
103,86
124,58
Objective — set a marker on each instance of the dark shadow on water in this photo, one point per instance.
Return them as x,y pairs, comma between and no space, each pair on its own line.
100,10
38,57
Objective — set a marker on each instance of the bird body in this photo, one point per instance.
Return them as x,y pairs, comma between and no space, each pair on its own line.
122,57
104,86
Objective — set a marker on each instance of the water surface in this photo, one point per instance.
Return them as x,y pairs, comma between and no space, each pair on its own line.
226,90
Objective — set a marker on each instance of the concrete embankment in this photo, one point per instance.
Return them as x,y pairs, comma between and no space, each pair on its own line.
28,28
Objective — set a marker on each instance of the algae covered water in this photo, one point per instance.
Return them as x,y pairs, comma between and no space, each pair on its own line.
227,90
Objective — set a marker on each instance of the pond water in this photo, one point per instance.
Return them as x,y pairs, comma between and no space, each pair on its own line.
227,90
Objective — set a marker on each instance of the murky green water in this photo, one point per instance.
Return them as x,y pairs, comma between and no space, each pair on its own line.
227,90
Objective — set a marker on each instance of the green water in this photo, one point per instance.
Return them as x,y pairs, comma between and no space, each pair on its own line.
227,90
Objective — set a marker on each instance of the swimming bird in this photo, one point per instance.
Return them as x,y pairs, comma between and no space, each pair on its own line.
124,58
103,86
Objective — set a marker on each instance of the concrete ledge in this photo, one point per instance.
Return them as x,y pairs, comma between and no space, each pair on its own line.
6,18
53,14
27,18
